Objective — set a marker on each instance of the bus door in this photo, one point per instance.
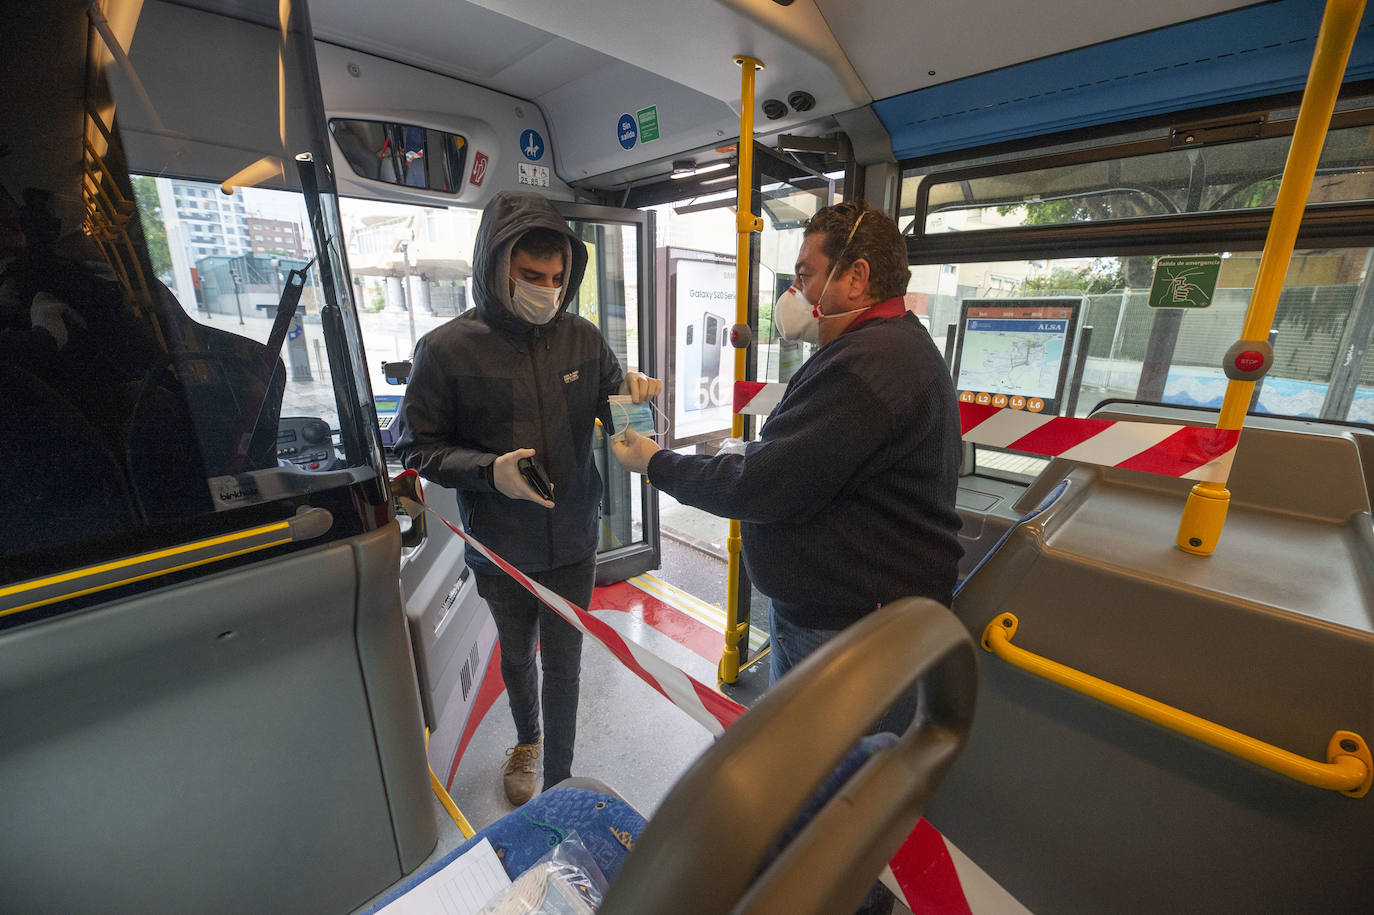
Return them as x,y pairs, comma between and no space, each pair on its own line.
617,296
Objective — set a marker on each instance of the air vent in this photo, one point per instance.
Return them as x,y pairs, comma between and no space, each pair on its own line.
773,109
801,101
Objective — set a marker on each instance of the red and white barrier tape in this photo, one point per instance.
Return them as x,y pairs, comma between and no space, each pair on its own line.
757,398
1190,452
706,706
928,883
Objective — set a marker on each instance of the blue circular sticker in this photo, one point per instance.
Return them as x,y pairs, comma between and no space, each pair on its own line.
627,131
532,145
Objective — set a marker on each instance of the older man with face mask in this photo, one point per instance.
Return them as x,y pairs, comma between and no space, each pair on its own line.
847,499
518,377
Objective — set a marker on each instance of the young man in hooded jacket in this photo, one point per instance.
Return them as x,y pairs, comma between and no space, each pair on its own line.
515,377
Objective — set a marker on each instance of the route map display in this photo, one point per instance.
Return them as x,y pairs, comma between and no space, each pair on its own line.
1015,352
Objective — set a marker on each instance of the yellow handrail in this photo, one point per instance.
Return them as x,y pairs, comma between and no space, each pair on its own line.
746,223
1348,767
1199,528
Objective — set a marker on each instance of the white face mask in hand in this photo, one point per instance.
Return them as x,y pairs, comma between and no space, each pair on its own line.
536,304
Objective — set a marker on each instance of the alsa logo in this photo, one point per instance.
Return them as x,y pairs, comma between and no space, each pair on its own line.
479,169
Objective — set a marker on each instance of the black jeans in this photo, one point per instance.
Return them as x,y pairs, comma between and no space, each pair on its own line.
522,623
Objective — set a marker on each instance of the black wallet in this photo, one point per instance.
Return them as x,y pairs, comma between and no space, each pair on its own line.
535,476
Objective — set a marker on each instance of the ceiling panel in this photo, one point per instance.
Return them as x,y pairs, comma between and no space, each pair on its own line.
455,38
895,44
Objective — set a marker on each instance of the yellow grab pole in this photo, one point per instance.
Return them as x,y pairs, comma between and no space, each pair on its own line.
1205,512
746,223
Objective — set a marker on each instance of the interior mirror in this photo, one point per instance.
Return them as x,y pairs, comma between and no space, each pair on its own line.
402,154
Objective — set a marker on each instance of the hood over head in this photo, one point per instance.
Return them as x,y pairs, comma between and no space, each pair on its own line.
509,215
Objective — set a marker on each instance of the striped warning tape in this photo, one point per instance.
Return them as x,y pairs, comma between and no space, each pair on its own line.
757,398
914,886
706,706
1191,452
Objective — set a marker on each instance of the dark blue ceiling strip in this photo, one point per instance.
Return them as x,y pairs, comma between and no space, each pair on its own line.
1248,53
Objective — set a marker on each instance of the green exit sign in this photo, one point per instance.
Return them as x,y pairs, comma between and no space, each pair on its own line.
1185,282
648,123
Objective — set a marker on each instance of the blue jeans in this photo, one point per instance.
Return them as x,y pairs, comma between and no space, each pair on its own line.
791,644
524,623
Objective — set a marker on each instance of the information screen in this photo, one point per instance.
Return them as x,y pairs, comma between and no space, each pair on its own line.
1015,352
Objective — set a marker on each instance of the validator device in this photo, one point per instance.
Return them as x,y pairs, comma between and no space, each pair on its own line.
388,407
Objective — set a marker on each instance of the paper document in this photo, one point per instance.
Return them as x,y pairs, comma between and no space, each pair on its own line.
461,888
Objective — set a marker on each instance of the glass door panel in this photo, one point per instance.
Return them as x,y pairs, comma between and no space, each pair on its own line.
617,296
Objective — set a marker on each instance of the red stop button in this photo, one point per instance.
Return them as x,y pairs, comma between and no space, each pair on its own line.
1250,361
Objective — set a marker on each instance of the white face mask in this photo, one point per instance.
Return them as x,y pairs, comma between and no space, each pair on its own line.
536,304
795,317
800,320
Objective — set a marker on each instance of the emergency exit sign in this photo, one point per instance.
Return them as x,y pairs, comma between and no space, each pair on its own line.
1185,282
648,123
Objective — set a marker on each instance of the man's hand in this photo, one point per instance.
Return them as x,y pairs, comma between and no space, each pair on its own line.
510,482
640,387
634,450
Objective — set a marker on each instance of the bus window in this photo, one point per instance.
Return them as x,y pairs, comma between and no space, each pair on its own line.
1088,220
183,358
410,266
1323,307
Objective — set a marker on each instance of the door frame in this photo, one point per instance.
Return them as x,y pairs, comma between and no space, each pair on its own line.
620,563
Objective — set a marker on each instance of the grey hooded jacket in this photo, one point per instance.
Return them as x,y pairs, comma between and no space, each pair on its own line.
489,382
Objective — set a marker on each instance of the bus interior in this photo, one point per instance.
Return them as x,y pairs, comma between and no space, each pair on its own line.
241,663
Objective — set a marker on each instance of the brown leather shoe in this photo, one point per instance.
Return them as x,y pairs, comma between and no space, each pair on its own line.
520,771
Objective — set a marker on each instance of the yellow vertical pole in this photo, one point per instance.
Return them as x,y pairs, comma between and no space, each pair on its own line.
1205,512
746,223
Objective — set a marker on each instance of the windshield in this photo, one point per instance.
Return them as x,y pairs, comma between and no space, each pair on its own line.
179,336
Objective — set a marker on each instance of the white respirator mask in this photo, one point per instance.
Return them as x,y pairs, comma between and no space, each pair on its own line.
800,320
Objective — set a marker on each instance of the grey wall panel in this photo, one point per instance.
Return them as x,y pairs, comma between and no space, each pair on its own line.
206,747
1074,806
394,700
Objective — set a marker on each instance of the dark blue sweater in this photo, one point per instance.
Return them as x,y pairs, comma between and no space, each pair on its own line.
847,499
